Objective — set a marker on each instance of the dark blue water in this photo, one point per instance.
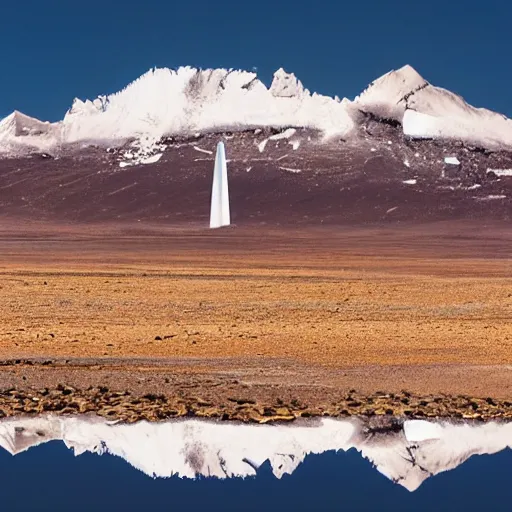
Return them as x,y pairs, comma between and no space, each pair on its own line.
50,477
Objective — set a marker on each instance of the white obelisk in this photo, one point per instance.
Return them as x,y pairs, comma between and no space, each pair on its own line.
219,211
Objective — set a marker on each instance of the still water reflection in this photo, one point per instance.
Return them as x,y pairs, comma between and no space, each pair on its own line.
325,464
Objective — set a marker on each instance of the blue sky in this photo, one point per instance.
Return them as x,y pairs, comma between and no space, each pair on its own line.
53,51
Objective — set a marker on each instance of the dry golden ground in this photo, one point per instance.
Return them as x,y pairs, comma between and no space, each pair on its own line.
308,298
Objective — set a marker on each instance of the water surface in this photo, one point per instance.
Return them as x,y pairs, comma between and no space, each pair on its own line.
416,465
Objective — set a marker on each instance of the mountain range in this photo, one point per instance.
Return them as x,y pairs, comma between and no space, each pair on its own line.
403,149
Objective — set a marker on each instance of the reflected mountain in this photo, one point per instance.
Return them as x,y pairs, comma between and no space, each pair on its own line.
407,452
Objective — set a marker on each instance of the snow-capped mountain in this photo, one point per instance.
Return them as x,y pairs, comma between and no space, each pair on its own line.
189,448
23,134
429,112
166,102
402,150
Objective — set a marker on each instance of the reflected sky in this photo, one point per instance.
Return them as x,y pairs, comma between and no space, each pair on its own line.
47,476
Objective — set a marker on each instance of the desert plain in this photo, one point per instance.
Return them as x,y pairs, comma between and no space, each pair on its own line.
259,322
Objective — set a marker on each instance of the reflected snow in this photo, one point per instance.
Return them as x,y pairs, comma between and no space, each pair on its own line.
406,452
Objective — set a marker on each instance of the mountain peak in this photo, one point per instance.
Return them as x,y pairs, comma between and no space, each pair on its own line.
18,124
407,73
286,85
387,96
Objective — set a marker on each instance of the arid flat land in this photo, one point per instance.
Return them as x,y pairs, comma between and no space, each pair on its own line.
307,313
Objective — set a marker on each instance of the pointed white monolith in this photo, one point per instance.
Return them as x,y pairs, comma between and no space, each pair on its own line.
219,211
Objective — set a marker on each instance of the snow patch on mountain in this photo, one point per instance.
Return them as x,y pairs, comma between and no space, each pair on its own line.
501,172
144,150
451,160
286,134
481,128
201,150
290,132
491,197
289,169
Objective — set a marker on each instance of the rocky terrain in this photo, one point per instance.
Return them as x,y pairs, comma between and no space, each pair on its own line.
302,314
235,403
380,178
